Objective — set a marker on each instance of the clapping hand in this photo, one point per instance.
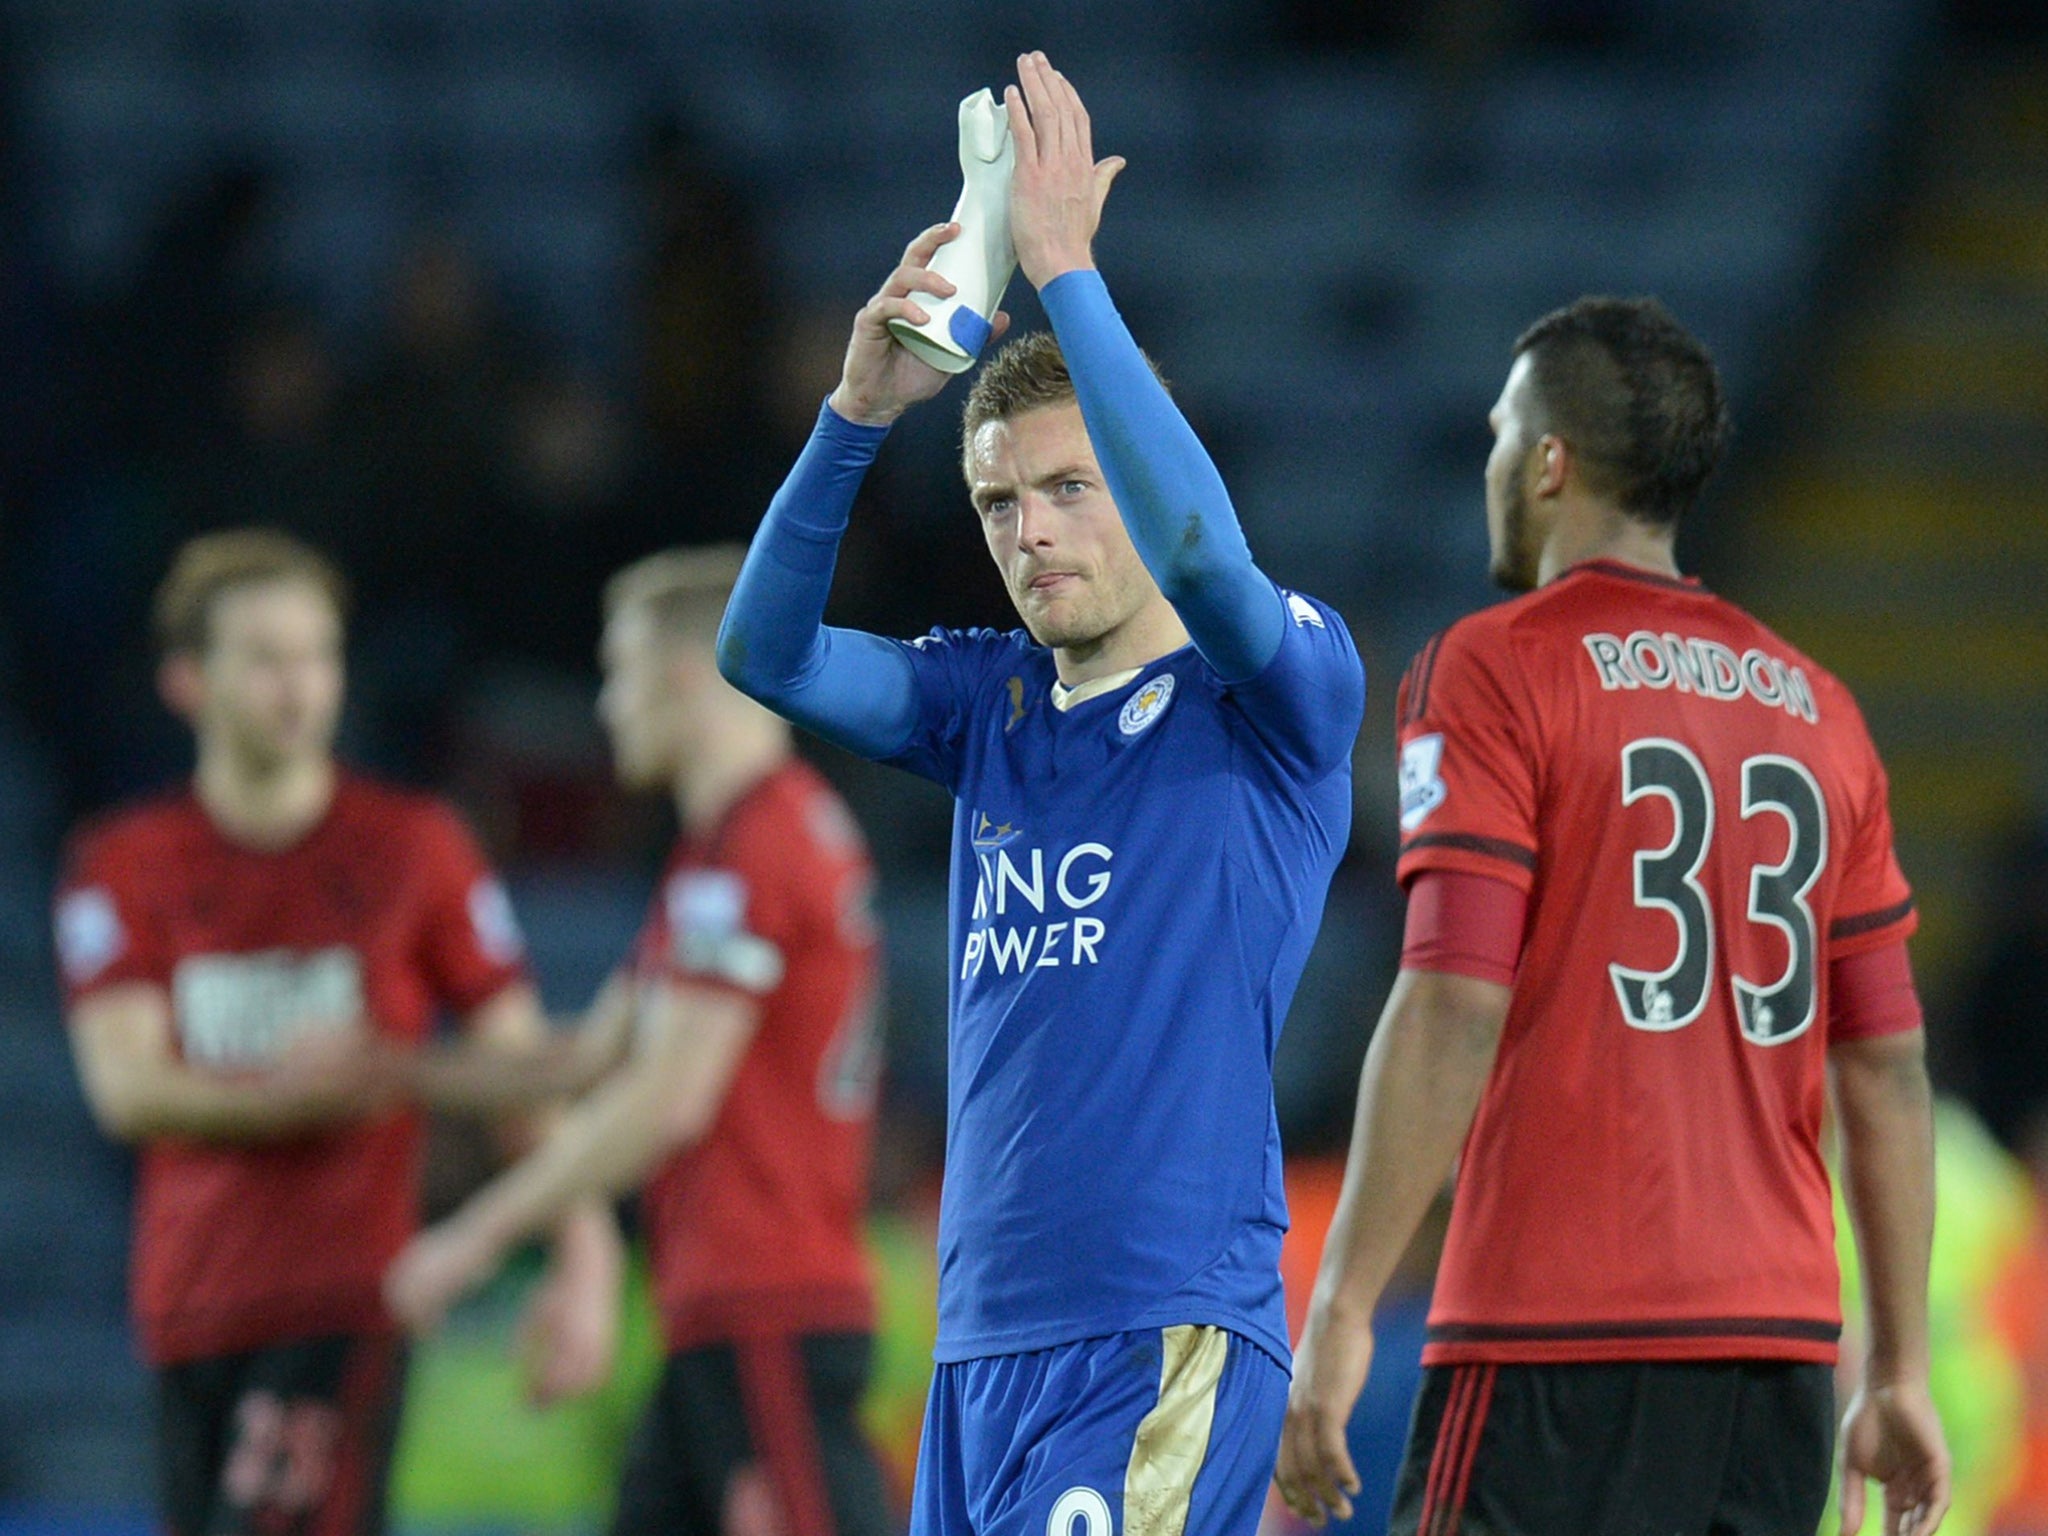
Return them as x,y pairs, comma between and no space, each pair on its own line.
1058,187
881,378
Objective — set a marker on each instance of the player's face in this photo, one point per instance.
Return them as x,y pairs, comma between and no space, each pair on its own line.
1515,543
640,704
1052,528
270,681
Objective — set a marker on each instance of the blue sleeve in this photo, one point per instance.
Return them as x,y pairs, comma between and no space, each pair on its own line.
1289,661
854,689
1308,702
960,673
1173,502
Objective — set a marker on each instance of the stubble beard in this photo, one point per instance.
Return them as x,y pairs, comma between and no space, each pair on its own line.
1067,628
1513,567
1058,636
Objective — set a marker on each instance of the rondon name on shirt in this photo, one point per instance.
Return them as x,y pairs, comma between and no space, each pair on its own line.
1705,667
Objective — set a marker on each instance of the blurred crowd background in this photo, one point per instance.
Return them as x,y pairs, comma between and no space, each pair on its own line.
488,297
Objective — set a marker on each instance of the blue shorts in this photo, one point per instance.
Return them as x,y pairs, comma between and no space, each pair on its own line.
1163,1432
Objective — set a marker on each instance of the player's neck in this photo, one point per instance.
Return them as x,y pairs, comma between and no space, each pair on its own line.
1152,632
1595,532
263,807
710,785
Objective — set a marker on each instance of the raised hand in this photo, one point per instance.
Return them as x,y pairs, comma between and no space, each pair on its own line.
881,379
1057,190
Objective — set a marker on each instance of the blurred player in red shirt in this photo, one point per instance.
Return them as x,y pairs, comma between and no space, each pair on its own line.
1653,913
743,1062
244,960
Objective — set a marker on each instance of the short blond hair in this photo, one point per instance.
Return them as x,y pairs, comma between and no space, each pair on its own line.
214,564
1027,374
683,591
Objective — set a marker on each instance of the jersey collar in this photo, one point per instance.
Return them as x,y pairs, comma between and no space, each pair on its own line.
1621,568
1065,698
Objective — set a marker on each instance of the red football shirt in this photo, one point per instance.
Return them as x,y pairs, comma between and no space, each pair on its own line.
757,1228
385,911
1700,822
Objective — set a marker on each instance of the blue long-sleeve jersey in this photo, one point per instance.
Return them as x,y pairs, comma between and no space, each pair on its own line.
1136,880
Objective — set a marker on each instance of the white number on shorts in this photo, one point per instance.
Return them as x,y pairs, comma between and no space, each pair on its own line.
1082,1506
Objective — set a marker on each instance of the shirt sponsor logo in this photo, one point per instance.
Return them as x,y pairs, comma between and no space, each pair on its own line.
1145,706
1422,784
89,934
1704,667
496,925
707,921
1031,910
1304,611
240,1011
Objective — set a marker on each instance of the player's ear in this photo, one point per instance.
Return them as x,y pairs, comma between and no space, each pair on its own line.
178,684
1555,463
